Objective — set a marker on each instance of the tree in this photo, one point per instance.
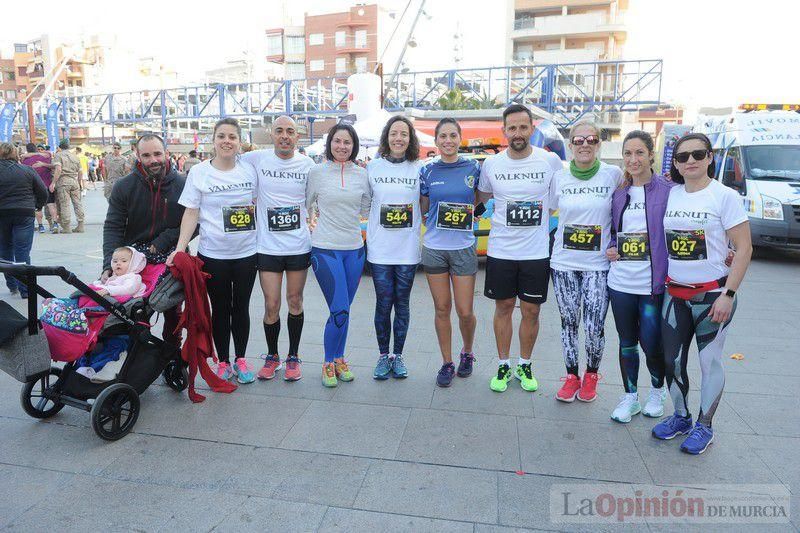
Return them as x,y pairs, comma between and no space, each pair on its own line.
452,99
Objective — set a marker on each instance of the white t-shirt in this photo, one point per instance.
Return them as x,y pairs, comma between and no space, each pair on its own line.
584,219
631,273
394,218
281,185
227,214
523,196
695,225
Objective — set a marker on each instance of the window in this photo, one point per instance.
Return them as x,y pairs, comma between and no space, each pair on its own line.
20,48
361,64
341,38
22,71
316,65
1,77
11,96
275,44
732,174
295,45
341,65
295,71
361,38
316,39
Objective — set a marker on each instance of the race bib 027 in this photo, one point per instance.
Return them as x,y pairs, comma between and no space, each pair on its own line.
239,218
689,245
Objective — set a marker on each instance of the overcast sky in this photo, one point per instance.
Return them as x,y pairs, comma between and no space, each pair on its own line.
715,52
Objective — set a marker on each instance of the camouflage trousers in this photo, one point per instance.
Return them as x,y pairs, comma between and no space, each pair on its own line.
68,191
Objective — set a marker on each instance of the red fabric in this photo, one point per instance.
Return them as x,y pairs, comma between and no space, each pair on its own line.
199,345
686,293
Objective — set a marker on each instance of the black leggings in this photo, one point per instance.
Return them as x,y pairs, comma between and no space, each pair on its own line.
229,289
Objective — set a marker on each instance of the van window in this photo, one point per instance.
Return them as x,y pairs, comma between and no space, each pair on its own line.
732,171
773,162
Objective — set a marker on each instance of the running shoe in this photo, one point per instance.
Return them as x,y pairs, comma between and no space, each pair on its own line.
499,383
588,391
342,370
445,376
654,407
41,228
293,370
672,426
399,370
570,388
628,406
272,363
525,376
465,364
329,375
242,370
383,368
54,229
698,440
224,371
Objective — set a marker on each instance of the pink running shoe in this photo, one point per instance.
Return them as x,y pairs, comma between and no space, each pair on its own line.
224,371
569,389
272,364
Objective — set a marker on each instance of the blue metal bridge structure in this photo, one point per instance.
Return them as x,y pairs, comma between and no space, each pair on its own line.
567,91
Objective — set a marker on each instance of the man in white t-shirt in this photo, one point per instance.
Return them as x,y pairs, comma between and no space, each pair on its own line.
518,266
284,241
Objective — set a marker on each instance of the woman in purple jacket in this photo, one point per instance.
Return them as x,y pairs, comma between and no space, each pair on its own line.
638,255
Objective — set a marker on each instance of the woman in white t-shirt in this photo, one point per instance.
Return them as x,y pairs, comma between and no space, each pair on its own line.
219,195
393,239
702,218
578,263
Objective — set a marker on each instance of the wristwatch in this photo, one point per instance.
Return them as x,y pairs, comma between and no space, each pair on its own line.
729,292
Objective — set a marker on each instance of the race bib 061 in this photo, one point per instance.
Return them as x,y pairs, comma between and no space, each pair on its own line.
633,246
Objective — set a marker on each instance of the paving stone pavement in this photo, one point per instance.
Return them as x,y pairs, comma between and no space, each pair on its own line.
397,455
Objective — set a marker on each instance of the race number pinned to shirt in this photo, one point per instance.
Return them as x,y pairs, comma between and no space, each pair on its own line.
397,216
454,216
687,245
583,238
283,218
633,246
524,214
239,218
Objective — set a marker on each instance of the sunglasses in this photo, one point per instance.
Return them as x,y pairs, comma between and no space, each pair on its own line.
591,140
697,155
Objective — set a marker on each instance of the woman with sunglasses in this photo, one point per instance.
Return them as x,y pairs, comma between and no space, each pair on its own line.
638,255
702,217
338,192
579,264
393,239
447,197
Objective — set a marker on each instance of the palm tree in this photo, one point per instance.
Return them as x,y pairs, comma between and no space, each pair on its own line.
484,102
452,99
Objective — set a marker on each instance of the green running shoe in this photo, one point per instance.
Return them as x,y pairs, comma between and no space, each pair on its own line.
499,383
329,375
525,376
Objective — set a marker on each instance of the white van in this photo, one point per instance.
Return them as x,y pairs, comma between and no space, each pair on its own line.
758,154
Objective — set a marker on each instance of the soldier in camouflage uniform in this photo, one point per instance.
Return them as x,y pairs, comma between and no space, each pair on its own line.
116,166
66,170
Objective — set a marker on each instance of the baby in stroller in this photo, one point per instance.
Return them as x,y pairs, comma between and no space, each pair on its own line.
126,264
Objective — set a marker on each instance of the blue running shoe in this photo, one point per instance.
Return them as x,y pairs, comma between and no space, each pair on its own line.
672,426
399,370
465,364
243,372
445,376
383,368
698,440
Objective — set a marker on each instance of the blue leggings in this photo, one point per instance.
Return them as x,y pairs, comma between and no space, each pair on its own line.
392,289
638,321
338,273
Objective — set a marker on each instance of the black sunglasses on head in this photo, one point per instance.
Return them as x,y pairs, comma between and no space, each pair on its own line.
589,139
697,155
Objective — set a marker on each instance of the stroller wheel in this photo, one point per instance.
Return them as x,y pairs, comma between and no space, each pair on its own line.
176,376
115,411
34,399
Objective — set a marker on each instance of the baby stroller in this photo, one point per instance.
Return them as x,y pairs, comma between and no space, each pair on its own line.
25,353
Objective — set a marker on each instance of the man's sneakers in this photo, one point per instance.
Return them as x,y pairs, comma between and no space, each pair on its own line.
54,229
244,374
499,383
383,368
569,390
698,440
654,407
672,426
524,374
224,371
293,370
41,228
329,375
343,372
272,363
465,364
588,391
628,406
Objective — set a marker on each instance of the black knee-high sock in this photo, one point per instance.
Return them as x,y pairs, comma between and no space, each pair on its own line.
271,332
295,325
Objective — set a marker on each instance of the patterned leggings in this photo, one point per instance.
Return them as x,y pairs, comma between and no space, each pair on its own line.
574,288
393,285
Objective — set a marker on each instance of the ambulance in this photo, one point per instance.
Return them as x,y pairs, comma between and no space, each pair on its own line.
757,153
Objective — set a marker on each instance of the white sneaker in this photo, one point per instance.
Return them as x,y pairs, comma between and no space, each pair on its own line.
628,406
654,407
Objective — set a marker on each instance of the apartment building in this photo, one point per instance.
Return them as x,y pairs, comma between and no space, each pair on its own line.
565,31
8,81
287,46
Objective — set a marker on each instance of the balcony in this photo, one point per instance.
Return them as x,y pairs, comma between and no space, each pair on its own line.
350,45
558,25
542,57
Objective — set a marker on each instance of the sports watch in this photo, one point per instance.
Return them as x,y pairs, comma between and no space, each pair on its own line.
730,292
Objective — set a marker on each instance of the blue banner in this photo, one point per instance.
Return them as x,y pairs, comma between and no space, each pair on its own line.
6,122
51,124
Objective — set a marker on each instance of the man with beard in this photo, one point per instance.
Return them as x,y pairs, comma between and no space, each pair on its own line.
143,212
518,256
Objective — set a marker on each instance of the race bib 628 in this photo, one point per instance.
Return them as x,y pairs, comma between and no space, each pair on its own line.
239,218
